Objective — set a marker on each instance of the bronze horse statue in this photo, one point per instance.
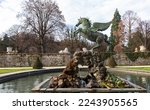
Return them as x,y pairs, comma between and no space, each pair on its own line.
91,31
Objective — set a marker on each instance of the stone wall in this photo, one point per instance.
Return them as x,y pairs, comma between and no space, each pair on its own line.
19,60
122,59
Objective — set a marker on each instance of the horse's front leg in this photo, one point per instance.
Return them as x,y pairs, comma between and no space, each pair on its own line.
77,31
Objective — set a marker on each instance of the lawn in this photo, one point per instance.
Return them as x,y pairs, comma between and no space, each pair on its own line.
140,68
13,69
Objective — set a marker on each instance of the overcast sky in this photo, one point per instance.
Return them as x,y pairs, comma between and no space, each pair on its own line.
95,10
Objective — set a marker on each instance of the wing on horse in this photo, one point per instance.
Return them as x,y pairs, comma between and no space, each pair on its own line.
97,26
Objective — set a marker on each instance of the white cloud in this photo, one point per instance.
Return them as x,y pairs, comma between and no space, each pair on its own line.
95,10
8,12
101,10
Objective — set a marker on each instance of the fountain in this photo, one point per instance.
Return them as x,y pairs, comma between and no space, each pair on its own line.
97,79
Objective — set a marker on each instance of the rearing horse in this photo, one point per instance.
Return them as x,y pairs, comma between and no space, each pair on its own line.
91,32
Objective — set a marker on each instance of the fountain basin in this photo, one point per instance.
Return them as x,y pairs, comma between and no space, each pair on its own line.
15,75
43,88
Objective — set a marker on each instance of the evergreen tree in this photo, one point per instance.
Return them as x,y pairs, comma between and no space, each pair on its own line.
37,64
115,25
113,39
4,43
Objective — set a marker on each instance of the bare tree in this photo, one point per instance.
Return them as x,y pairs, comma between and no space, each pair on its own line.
14,30
42,17
73,41
144,28
135,41
129,19
15,35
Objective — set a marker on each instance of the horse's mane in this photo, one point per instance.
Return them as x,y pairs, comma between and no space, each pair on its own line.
87,20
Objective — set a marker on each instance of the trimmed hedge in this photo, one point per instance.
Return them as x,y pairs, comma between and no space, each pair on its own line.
38,64
133,56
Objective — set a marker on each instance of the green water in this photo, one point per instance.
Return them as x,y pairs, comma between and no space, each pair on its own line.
24,85
141,80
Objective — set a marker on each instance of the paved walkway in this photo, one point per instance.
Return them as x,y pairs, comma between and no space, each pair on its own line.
52,67
30,67
132,66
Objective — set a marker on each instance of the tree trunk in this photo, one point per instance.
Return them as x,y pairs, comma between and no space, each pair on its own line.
42,45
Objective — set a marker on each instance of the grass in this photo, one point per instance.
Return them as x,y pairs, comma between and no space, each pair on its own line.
13,69
140,68
17,69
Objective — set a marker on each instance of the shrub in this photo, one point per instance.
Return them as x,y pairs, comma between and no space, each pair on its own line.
38,64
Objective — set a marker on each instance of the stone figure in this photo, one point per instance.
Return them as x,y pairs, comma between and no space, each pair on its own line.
102,71
97,76
65,51
68,78
142,48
